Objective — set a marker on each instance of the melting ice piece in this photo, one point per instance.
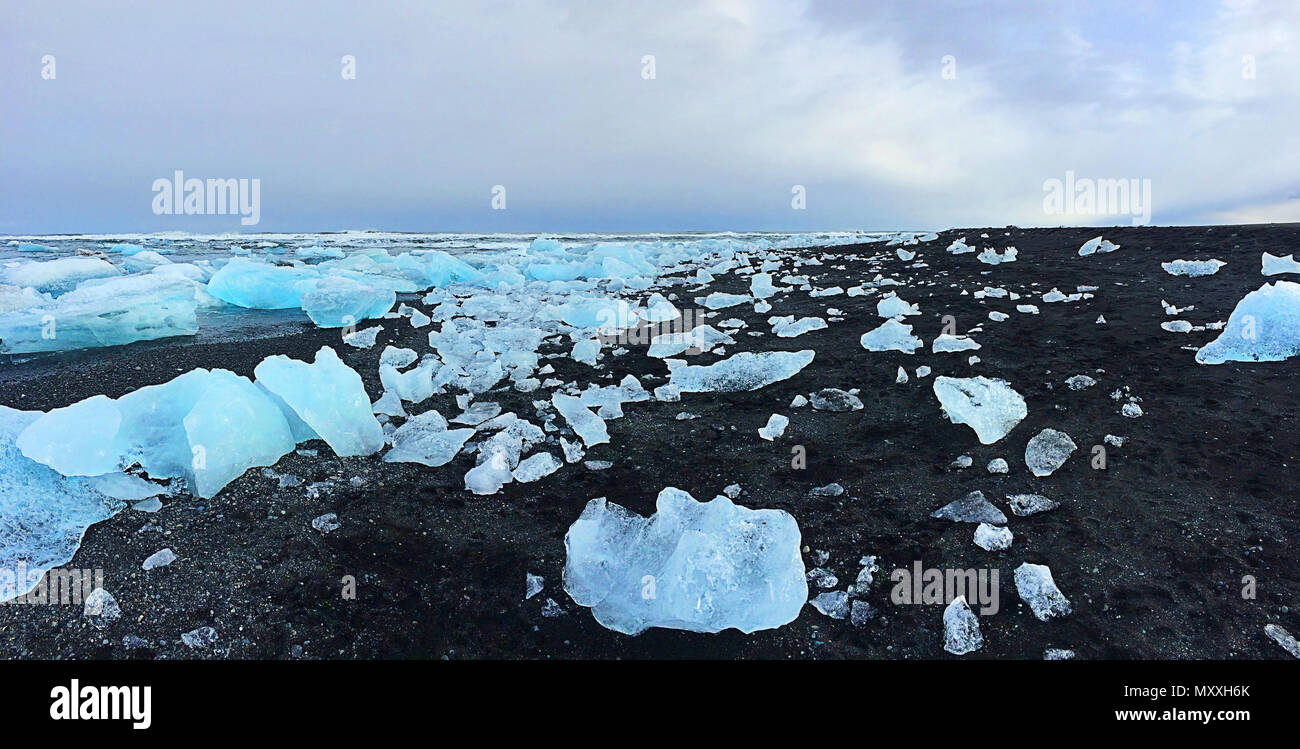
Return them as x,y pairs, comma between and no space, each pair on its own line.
760,285
1192,268
1095,245
478,413
835,400
587,425
989,406
776,425
532,585
160,558
328,396
258,285
891,336
998,465
1030,504
1035,585
489,476
891,305
788,327
1047,451
43,515
702,338
834,604
972,508
426,439
336,302
1079,382
946,343
993,538
1272,265
1283,638
719,300
713,565
363,338
1264,326
103,312
961,628
536,466
739,372
57,276
234,426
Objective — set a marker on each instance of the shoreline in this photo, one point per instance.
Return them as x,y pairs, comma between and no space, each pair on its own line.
1151,551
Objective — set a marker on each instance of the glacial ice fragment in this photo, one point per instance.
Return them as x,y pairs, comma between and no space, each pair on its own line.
1264,326
1192,268
972,508
425,439
713,565
328,396
835,400
535,467
892,335
989,406
1035,585
775,427
739,372
992,538
1024,505
961,628
1047,451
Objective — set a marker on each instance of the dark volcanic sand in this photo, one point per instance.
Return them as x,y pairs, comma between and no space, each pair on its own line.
1151,551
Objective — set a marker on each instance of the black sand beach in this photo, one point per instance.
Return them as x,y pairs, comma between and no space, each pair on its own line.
1151,551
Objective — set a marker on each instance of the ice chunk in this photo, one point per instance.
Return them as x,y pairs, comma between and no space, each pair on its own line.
478,413
103,312
739,372
989,406
946,343
891,336
57,276
586,351
719,300
1192,268
972,508
830,490
836,400
760,285
1047,451
1095,245
991,257
901,378
426,439
489,476
709,565
776,425
834,604
961,628
998,465
101,608
397,357
1035,585
1131,410
327,523
258,285
536,466
1283,638
1272,265
532,585
788,327
232,427
959,247
336,302
1079,382
992,538
363,338
1264,326
587,425
892,306
160,558
43,515
75,440
1030,504
328,396
700,339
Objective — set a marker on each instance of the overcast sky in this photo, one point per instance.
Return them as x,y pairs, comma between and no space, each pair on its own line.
550,100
